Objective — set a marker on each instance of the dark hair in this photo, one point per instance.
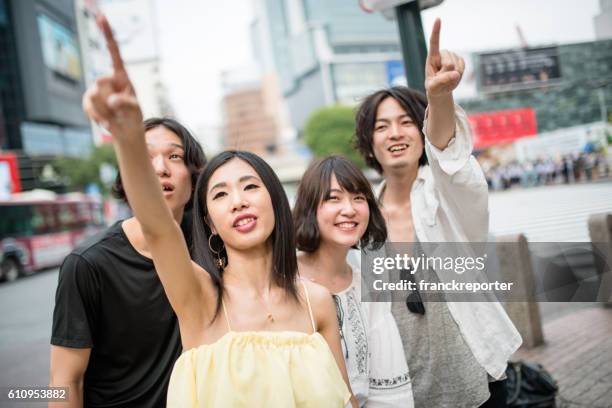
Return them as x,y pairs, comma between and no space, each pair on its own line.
195,159
284,261
413,102
316,185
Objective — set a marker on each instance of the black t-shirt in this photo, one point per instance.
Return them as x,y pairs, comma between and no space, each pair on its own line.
110,299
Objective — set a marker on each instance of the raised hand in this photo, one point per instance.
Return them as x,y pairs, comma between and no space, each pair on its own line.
443,69
111,100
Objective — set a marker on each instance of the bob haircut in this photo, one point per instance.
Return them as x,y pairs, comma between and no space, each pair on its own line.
284,261
315,187
413,102
195,159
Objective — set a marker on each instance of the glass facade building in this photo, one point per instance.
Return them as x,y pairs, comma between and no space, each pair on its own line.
41,85
12,111
324,52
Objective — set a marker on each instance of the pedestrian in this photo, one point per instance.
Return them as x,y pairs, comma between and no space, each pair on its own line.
567,169
335,210
110,306
252,333
434,191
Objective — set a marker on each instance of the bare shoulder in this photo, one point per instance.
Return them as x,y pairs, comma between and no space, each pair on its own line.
321,301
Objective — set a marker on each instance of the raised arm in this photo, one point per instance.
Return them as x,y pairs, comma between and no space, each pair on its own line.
443,72
112,102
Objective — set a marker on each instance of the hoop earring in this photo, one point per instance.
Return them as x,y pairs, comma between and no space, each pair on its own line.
220,262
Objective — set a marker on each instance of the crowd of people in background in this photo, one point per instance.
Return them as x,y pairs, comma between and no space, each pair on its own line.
568,169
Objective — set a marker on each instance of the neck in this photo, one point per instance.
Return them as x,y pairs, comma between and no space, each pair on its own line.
326,263
133,230
250,269
398,184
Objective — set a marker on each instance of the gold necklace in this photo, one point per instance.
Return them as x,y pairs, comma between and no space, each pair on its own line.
269,315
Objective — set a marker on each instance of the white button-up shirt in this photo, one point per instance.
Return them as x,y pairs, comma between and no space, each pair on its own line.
449,200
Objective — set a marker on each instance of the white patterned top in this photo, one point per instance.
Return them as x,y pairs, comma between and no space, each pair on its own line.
388,378
352,317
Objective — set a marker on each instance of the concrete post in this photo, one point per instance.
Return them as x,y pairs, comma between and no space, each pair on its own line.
600,230
515,266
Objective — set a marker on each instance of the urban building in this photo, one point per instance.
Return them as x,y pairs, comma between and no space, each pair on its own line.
253,111
95,59
324,52
135,26
571,84
41,84
603,21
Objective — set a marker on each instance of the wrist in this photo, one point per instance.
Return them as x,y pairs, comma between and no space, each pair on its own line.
440,99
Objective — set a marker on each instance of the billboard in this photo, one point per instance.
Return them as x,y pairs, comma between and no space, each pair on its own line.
492,128
518,69
60,49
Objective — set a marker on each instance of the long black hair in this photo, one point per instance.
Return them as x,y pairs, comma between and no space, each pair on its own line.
284,261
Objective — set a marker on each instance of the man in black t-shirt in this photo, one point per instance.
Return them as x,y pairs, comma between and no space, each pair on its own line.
115,337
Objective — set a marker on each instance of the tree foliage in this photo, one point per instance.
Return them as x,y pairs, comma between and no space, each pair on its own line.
330,130
77,173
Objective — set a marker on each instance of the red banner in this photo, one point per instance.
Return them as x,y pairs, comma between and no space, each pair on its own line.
492,128
11,160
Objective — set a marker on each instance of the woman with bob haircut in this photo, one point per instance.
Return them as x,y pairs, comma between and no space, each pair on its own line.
252,336
335,210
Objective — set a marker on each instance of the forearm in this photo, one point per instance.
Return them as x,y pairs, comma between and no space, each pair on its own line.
441,120
142,188
75,394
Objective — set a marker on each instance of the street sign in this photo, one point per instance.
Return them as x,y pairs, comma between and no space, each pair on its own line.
370,6
396,75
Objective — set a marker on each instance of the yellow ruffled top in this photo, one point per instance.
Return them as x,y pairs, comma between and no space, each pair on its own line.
259,369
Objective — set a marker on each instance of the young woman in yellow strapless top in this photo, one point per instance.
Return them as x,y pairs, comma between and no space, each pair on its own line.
253,334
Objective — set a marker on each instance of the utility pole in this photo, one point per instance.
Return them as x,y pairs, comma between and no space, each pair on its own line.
414,47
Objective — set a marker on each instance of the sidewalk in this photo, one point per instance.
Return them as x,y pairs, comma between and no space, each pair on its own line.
578,354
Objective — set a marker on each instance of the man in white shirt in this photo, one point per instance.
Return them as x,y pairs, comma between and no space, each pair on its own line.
435,191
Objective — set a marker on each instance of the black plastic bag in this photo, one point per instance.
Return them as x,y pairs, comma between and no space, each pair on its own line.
530,386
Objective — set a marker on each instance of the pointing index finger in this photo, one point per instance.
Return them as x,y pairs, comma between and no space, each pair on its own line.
111,44
434,40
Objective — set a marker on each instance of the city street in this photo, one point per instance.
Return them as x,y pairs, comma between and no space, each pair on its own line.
550,213
25,327
547,213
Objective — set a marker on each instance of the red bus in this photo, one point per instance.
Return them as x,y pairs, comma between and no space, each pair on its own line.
37,230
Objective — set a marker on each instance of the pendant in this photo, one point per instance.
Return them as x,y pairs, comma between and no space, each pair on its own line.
270,318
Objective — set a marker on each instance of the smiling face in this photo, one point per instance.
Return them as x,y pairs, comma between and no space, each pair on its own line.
342,216
239,206
397,141
167,157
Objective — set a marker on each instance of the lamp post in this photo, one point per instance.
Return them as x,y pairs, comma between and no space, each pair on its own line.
412,38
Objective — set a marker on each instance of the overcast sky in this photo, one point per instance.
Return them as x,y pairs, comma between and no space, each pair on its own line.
201,38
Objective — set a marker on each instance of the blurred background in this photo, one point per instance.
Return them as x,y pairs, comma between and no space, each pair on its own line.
282,78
